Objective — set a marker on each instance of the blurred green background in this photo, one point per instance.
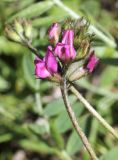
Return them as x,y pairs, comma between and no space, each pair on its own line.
33,122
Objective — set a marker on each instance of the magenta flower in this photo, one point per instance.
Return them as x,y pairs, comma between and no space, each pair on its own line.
40,69
50,61
47,67
54,32
65,50
61,53
91,62
68,37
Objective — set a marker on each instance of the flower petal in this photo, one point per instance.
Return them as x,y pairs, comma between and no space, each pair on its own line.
40,69
65,52
50,61
68,37
54,32
91,62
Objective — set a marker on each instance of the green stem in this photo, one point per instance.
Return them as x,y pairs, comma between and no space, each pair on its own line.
92,28
93,111
32,49
74,121
28,45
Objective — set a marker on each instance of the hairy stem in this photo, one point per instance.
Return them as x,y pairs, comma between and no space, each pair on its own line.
30,47
92,110
74,121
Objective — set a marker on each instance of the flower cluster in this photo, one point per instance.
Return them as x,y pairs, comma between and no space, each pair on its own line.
66,45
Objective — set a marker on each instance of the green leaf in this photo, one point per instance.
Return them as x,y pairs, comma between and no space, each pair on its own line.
57,136
63,122
104,105
5,137
3,84
46,20
34,10
10,48
88,6
36,146
28,69
108,82
40,127
97,90
110,61
74,143
56,107
112,154
105,51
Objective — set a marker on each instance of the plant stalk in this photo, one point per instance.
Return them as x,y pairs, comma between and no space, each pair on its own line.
31,48
92,110
74,121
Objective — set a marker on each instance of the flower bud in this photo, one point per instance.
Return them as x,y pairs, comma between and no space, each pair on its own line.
83,49
54,33
81,72
27,29
76,71
91,62
18,26
20,31
12,35
68,37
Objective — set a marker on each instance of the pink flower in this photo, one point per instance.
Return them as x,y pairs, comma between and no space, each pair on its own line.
40,69
65,52
50,61
54,32
91,62
68,37
47,67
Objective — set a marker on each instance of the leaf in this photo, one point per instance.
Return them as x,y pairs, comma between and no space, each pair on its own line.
56,107
112,154
57,136
5,137
110,61
108,82
28,69
34,10
3,84
88,6
104,105
10,48
105,51
6,113
97,90
40,127
36,146
63,122
74,143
